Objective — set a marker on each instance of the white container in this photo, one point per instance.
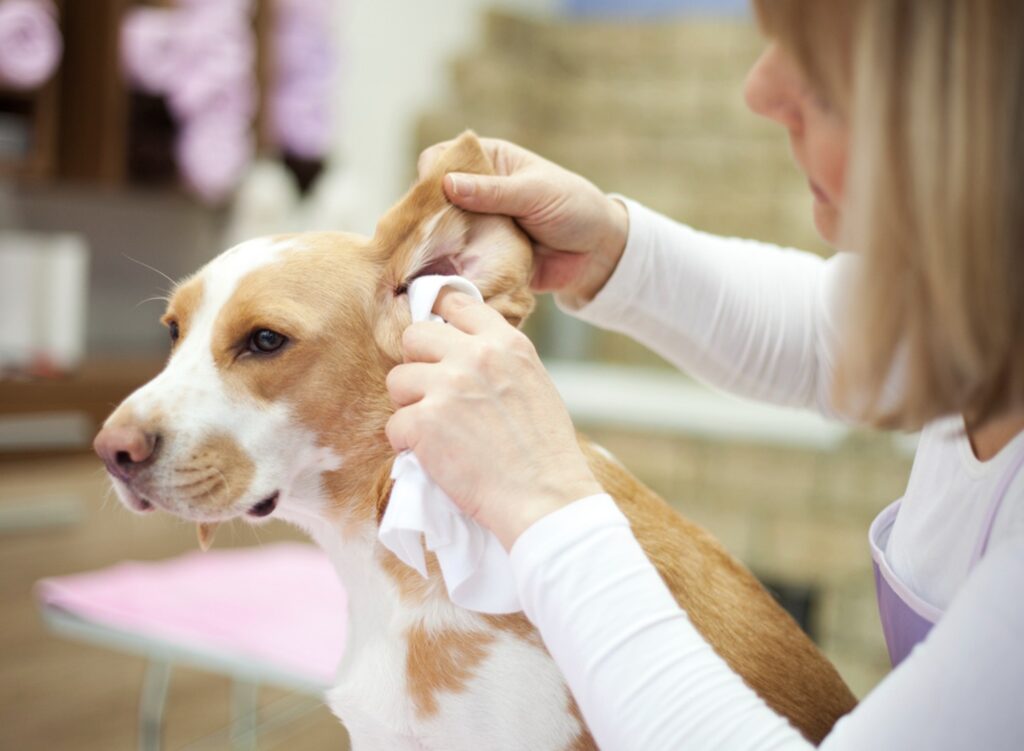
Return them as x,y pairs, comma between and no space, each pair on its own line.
43,294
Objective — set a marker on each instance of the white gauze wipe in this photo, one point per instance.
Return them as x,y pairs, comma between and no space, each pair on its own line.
474,565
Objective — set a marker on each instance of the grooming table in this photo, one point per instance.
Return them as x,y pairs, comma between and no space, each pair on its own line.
271,615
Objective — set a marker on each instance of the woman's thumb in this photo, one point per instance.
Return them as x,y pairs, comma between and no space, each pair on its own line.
489,194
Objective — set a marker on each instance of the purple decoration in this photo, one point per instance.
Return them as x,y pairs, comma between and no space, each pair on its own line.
243,7
300,115
201,56
150,48
213,154
217,55
302,49
30,42
304,72
206,87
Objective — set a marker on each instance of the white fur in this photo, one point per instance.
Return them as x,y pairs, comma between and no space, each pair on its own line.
517,680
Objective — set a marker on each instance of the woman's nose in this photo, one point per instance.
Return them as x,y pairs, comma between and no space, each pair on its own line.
772,89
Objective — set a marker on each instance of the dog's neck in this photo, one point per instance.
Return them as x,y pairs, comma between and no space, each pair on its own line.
346,528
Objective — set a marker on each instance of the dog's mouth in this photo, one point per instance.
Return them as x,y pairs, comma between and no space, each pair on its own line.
265,507
205,531
140,504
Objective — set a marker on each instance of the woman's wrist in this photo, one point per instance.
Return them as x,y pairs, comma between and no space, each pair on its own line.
605,256
524,514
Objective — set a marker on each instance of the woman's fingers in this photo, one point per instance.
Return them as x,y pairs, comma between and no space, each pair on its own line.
400,428
407,383
429,341
466,314
516,196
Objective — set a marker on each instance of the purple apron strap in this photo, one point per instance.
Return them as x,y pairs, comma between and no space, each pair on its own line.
906,618
902,626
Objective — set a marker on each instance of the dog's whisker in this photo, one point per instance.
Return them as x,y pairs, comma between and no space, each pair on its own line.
155,298
107,496
227,485
201,481
151,268
192,470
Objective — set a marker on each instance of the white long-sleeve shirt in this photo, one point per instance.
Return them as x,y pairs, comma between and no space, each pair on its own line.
761,321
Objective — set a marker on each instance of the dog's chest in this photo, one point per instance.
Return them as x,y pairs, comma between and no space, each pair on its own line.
433,675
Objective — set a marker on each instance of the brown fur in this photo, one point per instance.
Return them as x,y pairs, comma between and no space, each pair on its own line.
184,304
442,661
583,741
218,473
730,608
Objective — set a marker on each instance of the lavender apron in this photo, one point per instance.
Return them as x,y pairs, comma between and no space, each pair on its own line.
906,618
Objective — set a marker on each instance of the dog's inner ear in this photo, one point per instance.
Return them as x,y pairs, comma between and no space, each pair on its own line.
425,234
439,246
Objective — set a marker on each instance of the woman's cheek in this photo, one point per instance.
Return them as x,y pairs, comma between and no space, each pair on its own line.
826,221
828,149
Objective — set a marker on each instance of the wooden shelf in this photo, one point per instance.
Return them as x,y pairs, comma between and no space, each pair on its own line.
95,389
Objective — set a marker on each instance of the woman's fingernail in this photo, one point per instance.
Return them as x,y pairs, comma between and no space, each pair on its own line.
459,186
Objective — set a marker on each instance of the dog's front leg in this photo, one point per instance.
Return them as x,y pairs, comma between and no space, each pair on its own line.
367,734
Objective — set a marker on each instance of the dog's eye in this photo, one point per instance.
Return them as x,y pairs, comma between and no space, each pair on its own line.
172,329
265,341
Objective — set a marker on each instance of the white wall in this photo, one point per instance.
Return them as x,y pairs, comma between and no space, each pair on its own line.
394,56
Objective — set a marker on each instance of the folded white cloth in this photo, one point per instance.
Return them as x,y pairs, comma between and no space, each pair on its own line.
475,567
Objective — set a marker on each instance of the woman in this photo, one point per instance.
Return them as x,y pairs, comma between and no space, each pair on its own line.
907,116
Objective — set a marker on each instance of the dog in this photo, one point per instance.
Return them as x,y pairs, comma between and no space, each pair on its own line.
273,404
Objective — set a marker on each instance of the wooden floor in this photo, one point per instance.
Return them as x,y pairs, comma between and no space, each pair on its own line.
56,694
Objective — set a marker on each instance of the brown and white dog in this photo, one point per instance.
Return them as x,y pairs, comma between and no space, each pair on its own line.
273,403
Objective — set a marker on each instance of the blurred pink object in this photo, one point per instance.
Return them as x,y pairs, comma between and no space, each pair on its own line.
234,6
302,48
305,63
217,56
300,115
213,153
200,56
207,86
150,48
281,604
31,45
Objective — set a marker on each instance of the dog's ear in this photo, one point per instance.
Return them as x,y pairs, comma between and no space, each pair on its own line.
425,234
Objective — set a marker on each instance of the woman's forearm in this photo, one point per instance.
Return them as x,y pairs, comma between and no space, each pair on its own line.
747,317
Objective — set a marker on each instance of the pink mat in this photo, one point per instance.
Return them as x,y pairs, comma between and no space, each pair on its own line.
281,604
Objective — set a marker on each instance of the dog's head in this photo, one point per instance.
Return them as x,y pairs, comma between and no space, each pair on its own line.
273,399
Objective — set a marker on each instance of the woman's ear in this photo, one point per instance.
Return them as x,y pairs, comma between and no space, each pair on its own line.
425,234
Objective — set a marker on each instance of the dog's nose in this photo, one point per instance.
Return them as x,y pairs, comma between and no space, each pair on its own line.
125,449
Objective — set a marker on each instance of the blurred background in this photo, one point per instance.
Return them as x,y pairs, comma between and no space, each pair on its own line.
139,139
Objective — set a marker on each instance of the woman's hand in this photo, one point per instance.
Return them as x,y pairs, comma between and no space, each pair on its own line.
484,419
578,232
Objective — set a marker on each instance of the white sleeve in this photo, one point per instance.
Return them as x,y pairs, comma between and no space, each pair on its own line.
644,678
746,317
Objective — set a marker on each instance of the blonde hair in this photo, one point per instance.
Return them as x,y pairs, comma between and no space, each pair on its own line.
934,94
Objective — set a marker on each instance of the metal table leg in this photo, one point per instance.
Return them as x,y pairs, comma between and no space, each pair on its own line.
151,704
244,715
